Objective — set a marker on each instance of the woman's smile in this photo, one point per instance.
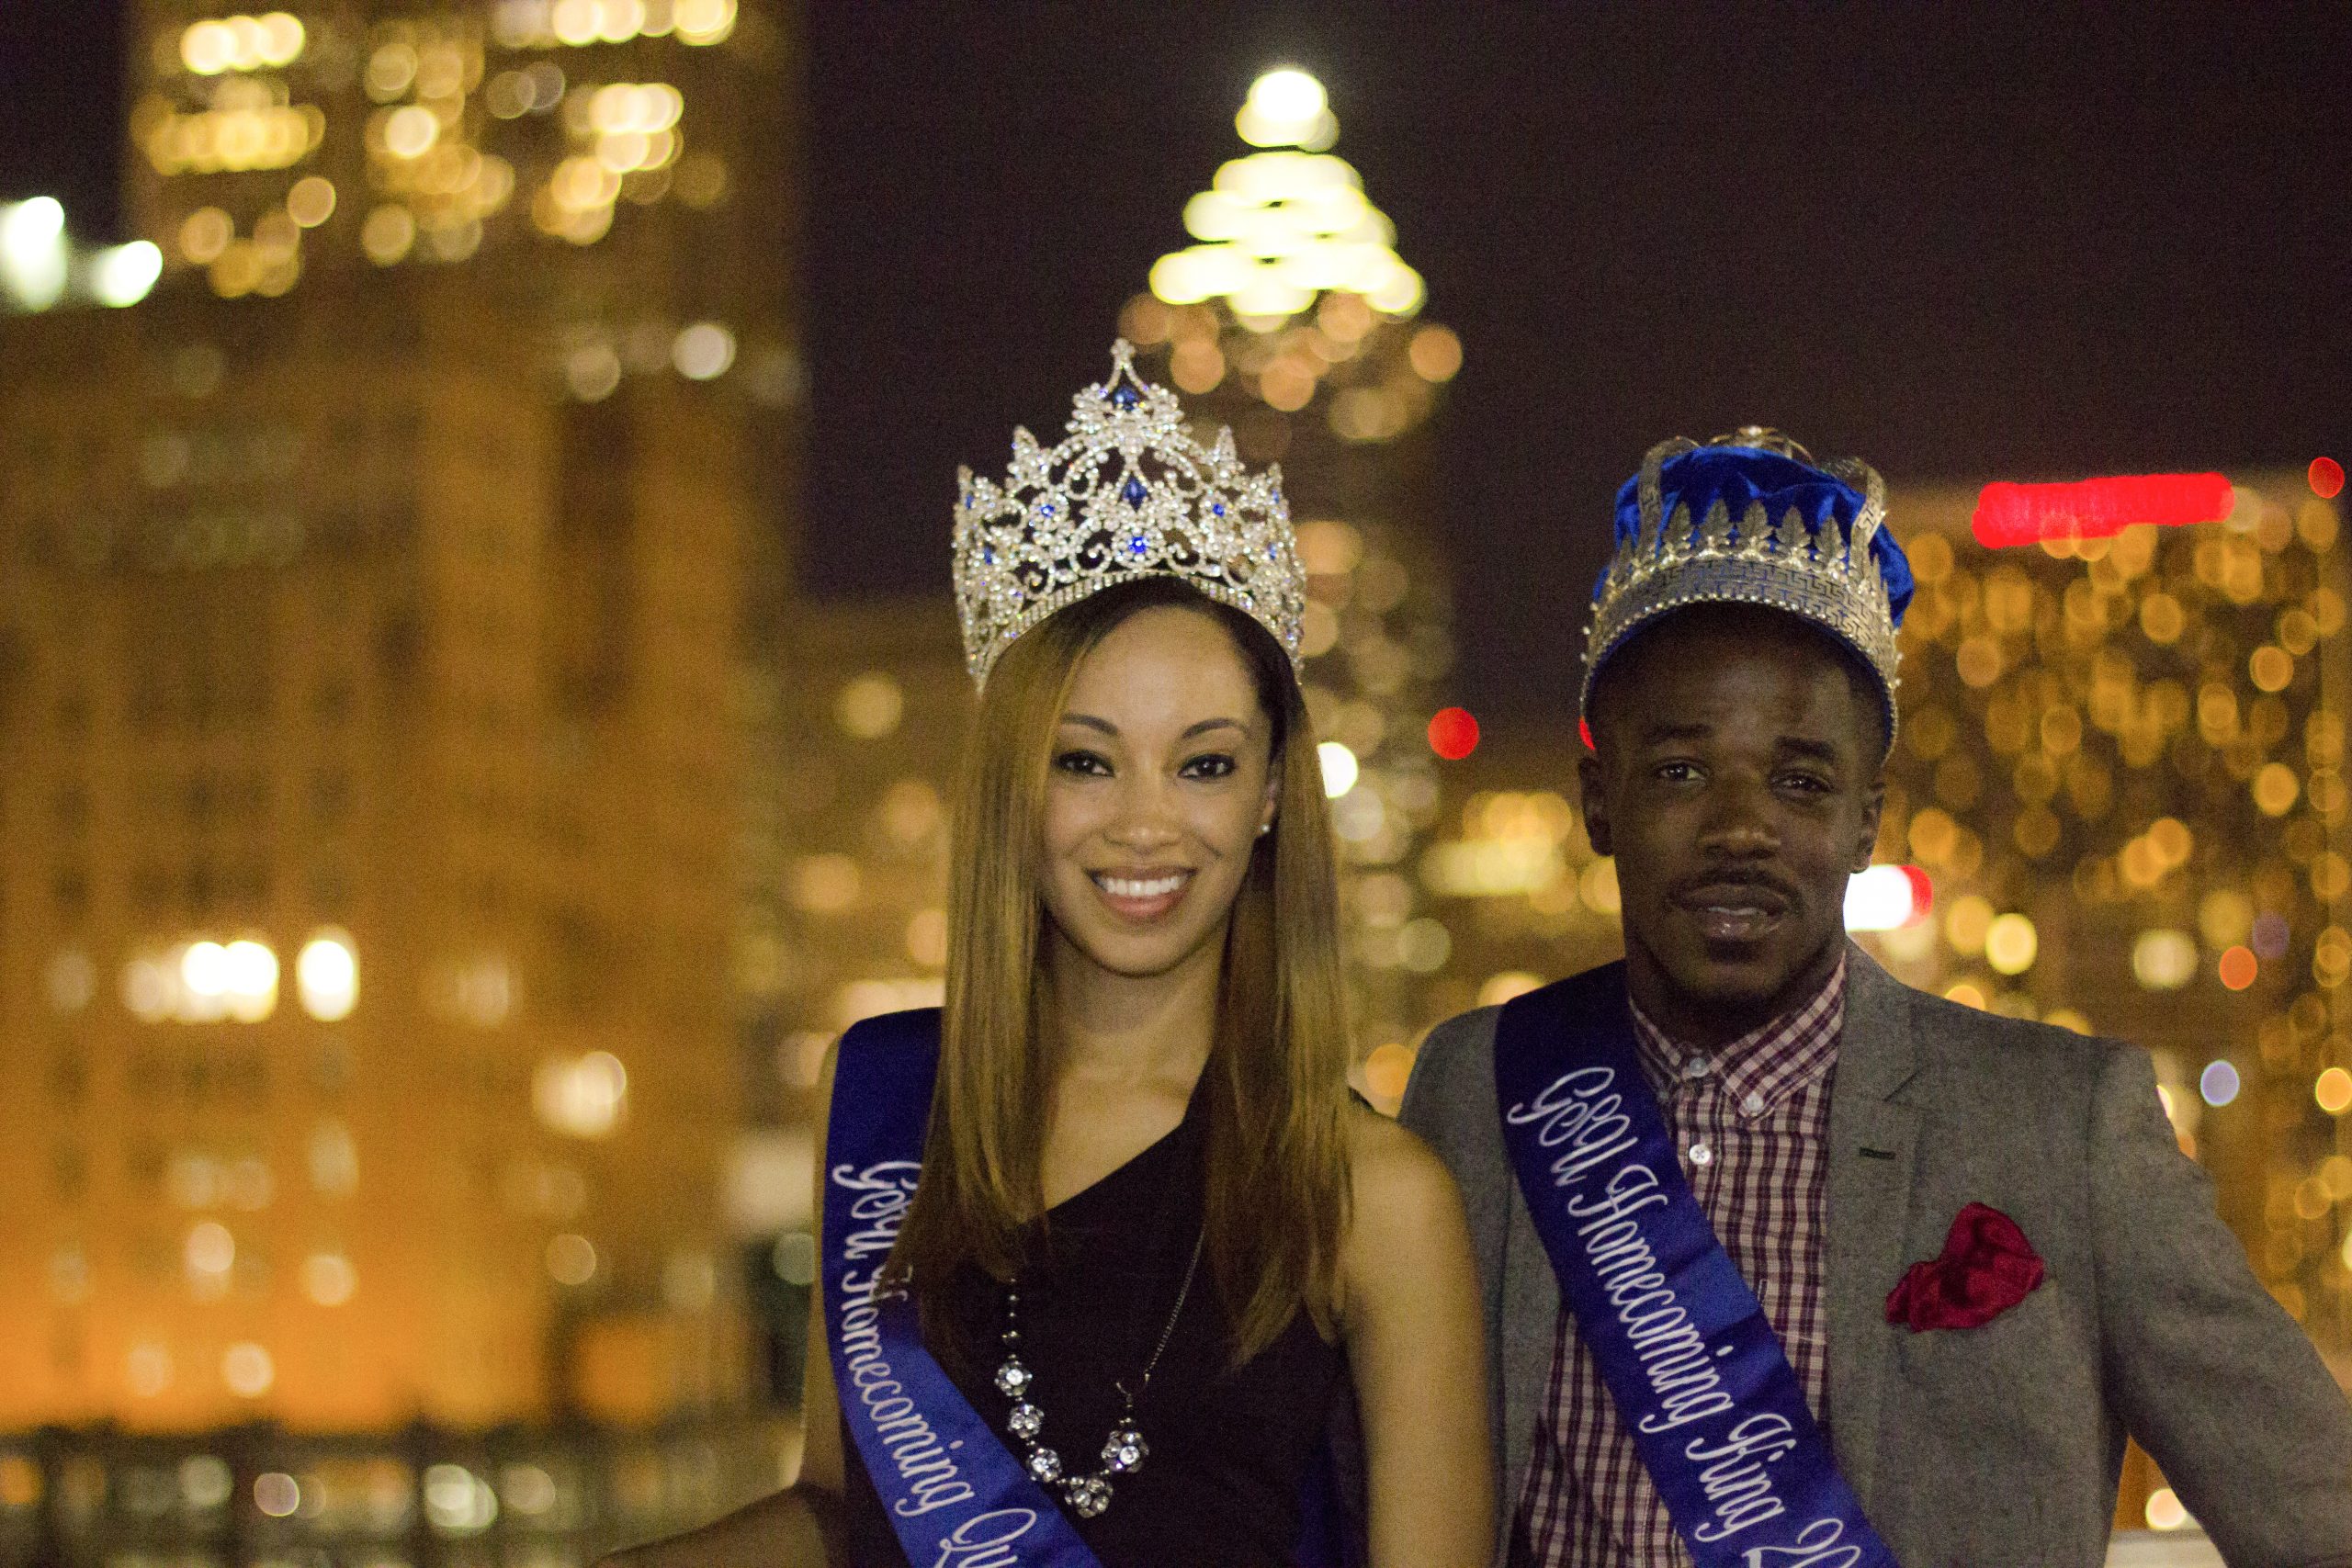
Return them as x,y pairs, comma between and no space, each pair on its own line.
1143,895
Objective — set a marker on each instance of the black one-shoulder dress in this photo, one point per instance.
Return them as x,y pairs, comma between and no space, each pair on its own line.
1231,1447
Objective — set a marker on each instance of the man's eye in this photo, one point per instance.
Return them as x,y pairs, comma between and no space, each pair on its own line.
1677,773
1804,783
1086,764
1215,765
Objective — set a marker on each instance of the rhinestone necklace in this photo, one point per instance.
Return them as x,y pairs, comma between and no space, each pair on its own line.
1123,1451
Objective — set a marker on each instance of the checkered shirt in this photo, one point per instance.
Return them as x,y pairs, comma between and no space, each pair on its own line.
1759,1109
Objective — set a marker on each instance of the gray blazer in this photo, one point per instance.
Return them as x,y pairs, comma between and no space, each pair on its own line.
1998,1445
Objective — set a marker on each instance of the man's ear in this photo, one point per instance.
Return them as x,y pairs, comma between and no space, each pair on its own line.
1596,805
1866,839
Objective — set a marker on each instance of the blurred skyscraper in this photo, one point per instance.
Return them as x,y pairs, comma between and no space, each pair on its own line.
387,601
1293,319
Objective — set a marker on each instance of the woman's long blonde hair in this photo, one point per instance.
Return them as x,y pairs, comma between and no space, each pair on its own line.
1274,1088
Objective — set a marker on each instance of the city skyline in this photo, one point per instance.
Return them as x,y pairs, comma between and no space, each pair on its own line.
486,708
2003,241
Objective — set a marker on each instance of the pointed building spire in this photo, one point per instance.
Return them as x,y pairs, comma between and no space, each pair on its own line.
1280,228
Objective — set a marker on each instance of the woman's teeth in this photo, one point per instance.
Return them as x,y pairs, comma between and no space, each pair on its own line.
1130,887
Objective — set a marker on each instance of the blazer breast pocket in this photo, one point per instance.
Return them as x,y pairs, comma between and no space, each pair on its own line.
2016,1386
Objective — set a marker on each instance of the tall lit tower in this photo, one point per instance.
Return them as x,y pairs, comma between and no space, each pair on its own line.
1293,319
373,664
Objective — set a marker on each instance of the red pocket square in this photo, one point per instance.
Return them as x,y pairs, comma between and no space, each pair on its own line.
1988,1267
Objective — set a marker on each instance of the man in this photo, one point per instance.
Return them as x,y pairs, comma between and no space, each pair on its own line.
1784,1262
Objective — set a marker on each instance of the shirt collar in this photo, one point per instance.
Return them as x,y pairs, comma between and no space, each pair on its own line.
1763,1067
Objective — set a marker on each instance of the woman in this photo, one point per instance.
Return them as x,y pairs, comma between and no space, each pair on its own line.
1149,1216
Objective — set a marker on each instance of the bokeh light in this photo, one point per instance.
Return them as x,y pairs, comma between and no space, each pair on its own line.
1887,897
1454,733
124,275
2011,943
1386,1071
571,1259
2164,959
583,1096
276,1493
704,352
1340,768
326,975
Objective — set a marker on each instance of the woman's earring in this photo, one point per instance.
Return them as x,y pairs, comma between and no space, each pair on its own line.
1264,829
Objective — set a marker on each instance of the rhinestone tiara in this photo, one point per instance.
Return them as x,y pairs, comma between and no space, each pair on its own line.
1127,494
1826,556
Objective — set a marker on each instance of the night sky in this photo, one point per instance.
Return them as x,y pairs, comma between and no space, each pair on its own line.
1971,242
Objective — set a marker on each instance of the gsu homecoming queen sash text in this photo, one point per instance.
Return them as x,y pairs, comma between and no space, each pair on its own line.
955,1493
1715,1411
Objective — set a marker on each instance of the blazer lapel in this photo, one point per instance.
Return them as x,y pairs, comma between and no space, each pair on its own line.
1873,1137
1530,1320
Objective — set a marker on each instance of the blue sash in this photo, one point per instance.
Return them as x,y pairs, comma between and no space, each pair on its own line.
1714,1410
955,1494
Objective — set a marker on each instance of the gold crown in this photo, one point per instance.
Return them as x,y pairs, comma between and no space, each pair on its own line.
1819,567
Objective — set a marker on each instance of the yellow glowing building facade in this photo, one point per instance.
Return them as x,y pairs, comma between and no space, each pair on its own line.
867,740
375,679
268,146
365,797
2121,762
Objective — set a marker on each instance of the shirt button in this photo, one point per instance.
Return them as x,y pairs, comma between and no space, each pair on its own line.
1753,1104
1697,1067
1701,1155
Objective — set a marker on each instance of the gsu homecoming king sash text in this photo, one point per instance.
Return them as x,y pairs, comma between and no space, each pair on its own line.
955,1494
1715,1412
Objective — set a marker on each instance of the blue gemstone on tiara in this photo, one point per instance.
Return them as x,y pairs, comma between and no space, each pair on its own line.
1216,509
1137,544
1133,492
1125,397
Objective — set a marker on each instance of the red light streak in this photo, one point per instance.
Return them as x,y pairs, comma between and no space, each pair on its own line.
1584,733
2326,478
2095,509
1453,733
